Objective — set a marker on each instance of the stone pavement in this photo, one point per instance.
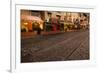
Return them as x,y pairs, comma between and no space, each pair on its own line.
59,47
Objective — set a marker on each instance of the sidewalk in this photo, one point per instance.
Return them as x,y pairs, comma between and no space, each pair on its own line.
25,35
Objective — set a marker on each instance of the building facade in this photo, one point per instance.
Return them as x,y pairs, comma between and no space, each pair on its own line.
52,20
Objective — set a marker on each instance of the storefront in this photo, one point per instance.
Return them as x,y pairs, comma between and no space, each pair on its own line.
53,21
30,21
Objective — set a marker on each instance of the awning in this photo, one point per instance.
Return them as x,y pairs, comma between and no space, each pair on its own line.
31,18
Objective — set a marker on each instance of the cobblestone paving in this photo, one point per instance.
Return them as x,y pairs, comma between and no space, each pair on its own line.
59,47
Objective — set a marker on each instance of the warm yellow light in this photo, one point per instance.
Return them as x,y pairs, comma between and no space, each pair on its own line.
25,23
41,26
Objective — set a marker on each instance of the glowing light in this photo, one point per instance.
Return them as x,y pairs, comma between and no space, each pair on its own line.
25,23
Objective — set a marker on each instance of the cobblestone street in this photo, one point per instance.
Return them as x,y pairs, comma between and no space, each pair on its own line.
73,45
